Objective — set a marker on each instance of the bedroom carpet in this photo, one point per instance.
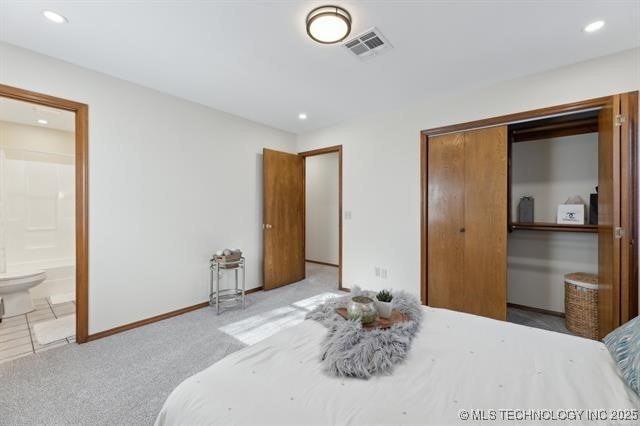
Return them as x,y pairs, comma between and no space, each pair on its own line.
125,378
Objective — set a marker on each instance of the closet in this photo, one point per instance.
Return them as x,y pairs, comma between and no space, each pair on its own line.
470,193
467,173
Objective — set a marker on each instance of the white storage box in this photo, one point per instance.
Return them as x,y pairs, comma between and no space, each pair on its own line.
571,214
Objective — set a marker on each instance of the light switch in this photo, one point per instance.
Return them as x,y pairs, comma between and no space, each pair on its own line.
347,215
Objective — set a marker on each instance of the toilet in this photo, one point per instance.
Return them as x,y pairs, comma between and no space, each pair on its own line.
14,291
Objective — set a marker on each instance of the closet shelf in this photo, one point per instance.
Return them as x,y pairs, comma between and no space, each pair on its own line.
554,227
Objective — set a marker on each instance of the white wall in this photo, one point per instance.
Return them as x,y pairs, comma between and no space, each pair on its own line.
551,171
170,181
322,208
381,159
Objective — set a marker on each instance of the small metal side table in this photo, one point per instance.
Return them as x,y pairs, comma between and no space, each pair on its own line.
219,296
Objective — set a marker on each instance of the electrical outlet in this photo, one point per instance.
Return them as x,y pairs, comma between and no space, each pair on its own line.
383,273
376,271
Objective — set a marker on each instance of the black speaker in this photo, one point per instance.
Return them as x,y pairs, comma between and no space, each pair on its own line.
593,209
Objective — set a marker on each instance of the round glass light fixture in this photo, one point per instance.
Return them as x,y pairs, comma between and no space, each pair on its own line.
328,24
302,116
594,26
55,17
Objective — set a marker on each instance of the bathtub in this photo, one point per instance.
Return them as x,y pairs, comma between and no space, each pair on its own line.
61,276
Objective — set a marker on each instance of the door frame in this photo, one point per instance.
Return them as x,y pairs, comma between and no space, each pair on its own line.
628,301
81,112
320,151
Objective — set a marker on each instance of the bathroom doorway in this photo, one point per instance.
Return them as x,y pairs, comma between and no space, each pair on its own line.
43,222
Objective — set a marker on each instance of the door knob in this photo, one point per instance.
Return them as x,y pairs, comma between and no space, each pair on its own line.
462,230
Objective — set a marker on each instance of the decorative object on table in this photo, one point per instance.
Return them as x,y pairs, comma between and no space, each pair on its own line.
395,317
593,208
228,255
226,260
581,304
383,303
349,349
363,309
572,211
525,209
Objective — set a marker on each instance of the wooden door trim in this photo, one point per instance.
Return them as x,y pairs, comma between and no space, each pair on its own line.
328,150
82,194
630,295
519,116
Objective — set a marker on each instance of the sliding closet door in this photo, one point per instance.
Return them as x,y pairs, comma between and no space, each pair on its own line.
445,242
485,213
608,217
467,221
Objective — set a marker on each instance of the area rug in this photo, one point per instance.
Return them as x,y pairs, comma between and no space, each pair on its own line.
349,350
57,329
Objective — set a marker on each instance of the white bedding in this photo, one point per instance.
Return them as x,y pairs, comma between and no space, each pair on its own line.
457,362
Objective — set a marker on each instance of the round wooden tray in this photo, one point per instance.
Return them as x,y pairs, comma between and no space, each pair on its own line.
395,318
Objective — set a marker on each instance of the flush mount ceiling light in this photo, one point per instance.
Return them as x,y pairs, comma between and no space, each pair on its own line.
302,116
594,26
42,121
328,24
55,17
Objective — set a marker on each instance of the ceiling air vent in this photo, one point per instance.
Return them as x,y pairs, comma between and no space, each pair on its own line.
368,44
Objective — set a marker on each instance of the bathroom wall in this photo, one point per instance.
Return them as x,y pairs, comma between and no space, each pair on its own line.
38,209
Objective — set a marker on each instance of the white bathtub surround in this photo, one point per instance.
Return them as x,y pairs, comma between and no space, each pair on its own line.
14,291
57,329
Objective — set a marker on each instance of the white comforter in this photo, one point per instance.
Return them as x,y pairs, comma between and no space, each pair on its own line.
458,362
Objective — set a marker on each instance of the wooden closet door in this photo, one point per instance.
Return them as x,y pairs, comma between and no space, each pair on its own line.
445,242
485,217
467,221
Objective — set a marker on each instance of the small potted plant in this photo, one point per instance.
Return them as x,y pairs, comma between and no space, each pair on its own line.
383,303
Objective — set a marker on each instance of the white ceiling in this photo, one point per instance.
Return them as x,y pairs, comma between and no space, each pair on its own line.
27,113
254,59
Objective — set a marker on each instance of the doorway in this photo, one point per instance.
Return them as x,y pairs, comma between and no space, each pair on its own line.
284,216
323,208
78,208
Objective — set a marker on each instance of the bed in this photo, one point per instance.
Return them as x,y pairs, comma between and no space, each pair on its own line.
462,369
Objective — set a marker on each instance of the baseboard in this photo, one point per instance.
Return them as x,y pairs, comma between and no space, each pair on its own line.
538,310
156,318
322,263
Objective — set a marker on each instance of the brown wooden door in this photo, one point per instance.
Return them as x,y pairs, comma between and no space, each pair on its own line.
467,221
608,217
283,211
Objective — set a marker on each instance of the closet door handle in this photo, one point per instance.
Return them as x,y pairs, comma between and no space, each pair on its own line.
462,230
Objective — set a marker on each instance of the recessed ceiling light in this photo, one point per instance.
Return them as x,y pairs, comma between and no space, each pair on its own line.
302,116
55,17
328,24
594,26
43,121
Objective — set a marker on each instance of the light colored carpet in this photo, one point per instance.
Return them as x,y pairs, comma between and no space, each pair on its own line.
56,329
125,378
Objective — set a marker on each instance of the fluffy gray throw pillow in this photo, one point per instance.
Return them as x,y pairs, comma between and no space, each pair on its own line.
349,350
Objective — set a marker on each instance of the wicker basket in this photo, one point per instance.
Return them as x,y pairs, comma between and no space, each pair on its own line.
581,304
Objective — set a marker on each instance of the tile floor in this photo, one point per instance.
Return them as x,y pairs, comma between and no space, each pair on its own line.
17,338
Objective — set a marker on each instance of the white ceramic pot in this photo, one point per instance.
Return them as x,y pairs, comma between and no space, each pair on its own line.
384,309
